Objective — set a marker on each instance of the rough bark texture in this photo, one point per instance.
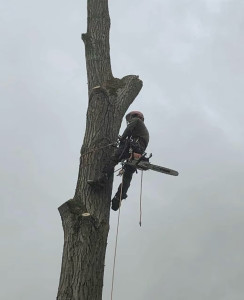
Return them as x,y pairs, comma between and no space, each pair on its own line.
85,237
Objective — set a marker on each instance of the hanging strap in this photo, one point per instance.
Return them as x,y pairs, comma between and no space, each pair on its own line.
141,198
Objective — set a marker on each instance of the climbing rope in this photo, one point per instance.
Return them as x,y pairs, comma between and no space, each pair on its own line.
116,241
117,230
96,149
141,198
118,170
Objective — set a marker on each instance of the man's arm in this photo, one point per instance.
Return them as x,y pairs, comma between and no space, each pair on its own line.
129,129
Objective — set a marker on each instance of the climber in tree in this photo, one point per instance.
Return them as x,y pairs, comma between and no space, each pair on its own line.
136,138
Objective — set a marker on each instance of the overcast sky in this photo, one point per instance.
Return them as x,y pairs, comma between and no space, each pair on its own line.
190,56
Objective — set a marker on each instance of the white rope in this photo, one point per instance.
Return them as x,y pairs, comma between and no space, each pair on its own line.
141,199
116,242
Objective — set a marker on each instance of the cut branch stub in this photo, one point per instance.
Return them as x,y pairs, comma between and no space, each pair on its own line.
83,255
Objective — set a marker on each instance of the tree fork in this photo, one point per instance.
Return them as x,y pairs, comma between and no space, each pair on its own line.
85,218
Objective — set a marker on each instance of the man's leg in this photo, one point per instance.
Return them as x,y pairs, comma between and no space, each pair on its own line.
127,177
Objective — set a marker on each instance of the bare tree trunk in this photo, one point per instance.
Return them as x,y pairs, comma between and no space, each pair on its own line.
85,237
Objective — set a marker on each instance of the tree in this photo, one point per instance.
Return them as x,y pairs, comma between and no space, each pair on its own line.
85,218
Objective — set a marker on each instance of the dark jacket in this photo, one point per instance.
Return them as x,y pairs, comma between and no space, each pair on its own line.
137,129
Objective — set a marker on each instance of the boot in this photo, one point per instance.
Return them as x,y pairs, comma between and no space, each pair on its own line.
116,201
98,183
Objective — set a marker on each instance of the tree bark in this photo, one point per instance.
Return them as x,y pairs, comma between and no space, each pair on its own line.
85,218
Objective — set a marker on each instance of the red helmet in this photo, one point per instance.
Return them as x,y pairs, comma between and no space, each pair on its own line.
134,114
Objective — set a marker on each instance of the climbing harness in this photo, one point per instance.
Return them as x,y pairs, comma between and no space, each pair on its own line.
127,141
116,241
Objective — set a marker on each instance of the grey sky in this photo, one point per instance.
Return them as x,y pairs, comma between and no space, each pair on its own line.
190,56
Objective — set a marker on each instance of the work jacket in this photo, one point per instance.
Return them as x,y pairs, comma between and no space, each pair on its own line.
136,129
